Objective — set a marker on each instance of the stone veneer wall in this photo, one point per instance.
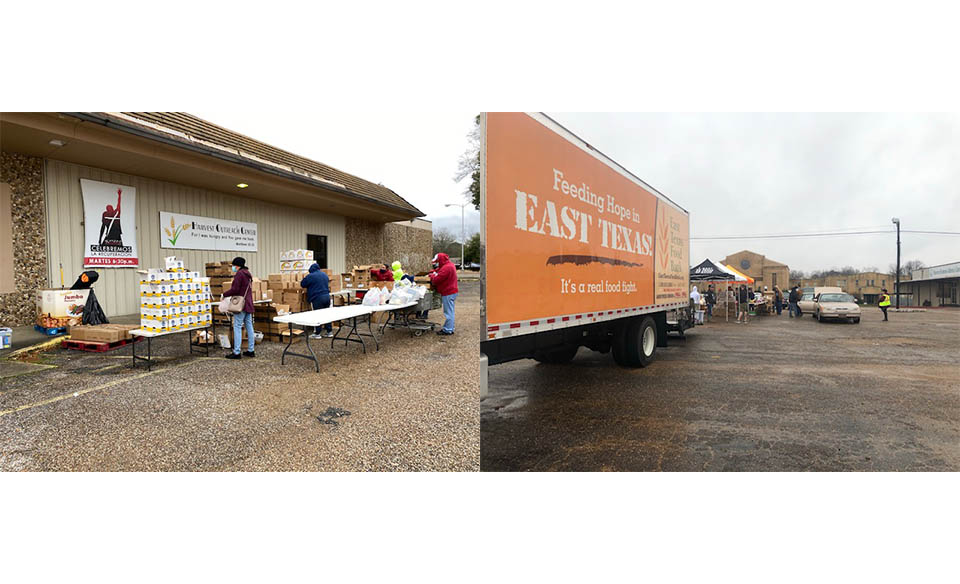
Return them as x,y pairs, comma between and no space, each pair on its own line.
24,174
372,243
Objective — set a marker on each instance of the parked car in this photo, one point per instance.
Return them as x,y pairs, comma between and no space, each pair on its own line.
837,305
474,266
808,302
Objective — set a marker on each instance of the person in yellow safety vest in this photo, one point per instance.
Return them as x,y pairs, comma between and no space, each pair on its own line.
397,271
884,302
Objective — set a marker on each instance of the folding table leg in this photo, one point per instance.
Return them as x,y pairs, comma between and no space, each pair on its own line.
370,329
316,363
354,331
290,342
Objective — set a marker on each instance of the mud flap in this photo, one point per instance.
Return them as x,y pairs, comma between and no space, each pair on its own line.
661,319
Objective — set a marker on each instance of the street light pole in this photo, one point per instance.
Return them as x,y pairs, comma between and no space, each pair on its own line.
897,289
463,234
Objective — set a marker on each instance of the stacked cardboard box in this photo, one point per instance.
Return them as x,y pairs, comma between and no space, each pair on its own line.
174,299
296,260
102,333
361,276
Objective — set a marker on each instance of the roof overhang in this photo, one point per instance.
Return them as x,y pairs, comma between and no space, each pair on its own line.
91,141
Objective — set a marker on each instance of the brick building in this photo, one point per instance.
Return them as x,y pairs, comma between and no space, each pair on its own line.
765,271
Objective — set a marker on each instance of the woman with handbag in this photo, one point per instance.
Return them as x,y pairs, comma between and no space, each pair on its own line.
239,303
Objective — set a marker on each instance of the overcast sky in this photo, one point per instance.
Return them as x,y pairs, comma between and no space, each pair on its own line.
737,174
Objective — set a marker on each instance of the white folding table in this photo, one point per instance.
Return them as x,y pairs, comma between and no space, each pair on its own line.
317,318
150,335
352,314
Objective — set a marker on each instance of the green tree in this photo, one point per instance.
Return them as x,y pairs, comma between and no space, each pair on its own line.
471,250
469,165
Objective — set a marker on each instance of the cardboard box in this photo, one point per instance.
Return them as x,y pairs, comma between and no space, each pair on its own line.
56,308
336,283
97,334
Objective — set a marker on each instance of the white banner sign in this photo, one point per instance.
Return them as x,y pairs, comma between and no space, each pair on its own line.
110,227
190,232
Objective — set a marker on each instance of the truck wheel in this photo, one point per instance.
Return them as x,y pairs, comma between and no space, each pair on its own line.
556,356
641,342
856,321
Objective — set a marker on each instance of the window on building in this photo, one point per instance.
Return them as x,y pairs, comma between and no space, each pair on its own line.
318,244
883,282
773,279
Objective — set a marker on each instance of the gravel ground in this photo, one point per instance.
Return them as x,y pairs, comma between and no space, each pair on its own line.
777,394
413,407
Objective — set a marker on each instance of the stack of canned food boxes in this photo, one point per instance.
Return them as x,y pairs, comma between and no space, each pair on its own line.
173,299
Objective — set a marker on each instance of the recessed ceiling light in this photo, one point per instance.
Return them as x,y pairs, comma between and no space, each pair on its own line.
57,143
242,185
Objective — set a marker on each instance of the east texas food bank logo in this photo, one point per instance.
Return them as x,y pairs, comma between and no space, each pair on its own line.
664,251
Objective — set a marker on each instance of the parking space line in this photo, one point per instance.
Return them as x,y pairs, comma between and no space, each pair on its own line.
97,388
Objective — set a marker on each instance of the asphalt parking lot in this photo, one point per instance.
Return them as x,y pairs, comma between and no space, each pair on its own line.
777,394
413,406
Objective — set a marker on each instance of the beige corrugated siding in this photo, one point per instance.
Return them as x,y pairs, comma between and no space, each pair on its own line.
279,229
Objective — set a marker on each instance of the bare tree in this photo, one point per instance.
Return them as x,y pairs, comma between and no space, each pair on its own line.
443,241
906,268
796,275
469,165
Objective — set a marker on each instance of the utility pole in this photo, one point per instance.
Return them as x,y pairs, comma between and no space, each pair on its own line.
897,289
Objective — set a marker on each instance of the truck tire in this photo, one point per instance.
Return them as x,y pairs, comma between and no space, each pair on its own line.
556,356
640,342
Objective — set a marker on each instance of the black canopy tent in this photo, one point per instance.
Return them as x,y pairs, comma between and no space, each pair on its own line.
708,271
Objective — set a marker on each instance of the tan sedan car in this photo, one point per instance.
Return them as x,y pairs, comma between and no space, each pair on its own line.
837,305
808,302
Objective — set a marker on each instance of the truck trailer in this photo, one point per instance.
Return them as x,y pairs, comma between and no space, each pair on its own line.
576,250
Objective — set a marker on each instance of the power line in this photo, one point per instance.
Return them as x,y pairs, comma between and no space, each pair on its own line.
821,234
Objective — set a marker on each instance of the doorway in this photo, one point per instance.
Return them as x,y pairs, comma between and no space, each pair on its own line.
318,245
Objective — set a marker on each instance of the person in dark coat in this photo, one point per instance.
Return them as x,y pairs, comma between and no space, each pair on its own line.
242,282
711,298
743,298
792,300
317,284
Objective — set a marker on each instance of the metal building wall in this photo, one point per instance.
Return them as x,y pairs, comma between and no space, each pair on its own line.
280,228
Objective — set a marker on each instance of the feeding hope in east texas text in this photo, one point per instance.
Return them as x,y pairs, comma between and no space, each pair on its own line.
567,222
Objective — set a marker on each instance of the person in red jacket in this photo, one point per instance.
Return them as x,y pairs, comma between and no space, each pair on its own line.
444,280
242,282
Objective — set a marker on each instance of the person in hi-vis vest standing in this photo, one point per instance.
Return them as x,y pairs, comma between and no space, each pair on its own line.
884,302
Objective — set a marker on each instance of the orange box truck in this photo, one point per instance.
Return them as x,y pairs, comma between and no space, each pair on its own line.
577,251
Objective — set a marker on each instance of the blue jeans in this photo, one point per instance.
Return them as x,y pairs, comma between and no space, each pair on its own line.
793,308
448,302
324,302
779,306
240,319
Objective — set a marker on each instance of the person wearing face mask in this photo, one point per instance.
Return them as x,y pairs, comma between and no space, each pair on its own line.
444,281
242,282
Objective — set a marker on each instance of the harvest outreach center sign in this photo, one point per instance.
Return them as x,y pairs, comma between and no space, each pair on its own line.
190,232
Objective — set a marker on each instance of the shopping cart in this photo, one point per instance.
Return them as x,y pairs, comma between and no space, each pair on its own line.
407,318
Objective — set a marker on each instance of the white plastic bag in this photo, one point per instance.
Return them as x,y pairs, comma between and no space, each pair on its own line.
372,297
